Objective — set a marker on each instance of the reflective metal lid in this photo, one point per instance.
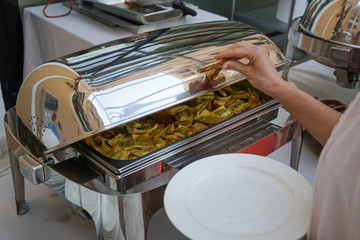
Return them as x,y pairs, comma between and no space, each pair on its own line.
336,20
329,32
68,99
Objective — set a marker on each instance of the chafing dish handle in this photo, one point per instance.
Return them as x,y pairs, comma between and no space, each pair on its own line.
32,169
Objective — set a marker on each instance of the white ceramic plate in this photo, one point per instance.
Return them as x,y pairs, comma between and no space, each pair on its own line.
239,196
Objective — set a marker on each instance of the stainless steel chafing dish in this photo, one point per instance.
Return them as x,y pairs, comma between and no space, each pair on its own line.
329,33
63,101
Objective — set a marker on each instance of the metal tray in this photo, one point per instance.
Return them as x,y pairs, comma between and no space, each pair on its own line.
141,14
121,166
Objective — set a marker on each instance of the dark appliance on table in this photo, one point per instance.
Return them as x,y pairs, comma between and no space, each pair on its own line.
135,16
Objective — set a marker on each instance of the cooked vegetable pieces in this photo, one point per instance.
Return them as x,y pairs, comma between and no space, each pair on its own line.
142,136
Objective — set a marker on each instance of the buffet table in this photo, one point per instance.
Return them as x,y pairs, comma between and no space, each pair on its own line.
48,38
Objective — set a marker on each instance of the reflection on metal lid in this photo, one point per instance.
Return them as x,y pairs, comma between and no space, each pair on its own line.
336,21
116,82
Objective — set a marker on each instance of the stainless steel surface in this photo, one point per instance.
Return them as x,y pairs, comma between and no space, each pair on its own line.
214,65
150,171
64,101
32,170
108,210
329,32
335,21
125,168
296,146
18,179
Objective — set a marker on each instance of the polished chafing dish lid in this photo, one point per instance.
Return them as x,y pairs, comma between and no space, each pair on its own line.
73,97
329,33
336,21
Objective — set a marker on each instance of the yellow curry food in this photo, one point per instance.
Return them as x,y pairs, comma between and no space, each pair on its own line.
142,136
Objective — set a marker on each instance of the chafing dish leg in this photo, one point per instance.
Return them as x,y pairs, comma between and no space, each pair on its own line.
137,210
296,146
117,217
22,206
152,202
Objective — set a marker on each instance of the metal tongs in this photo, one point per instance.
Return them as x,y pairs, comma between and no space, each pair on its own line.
212,70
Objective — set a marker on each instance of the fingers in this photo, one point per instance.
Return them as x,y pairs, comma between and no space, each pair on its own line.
243,51
253,61
233,53
241,44
240,50
235,65
229,53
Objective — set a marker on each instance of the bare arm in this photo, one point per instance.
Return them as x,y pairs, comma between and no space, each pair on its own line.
315,116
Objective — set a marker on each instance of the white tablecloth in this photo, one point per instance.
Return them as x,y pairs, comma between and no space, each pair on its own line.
48,38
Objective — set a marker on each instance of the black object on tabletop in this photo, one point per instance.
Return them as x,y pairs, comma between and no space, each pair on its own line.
11,48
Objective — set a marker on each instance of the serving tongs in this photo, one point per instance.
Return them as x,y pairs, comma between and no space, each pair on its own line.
212,69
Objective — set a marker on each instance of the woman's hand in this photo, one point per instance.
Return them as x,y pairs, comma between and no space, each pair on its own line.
315,116
259,70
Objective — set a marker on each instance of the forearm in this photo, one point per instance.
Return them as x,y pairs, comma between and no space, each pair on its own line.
316,117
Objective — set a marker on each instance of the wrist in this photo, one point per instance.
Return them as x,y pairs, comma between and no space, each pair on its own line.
281,88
